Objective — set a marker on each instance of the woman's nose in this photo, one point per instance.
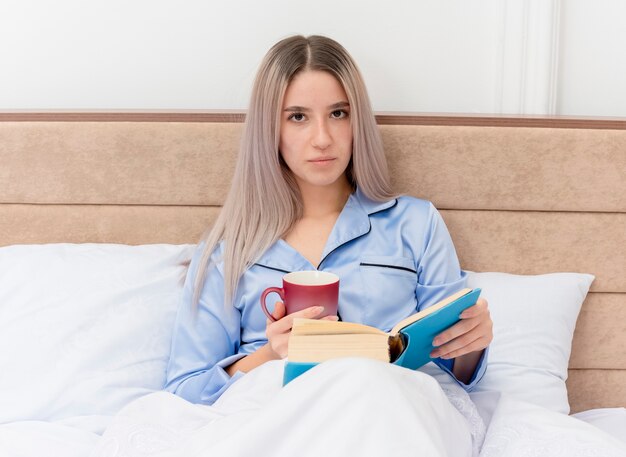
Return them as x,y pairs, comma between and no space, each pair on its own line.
321,136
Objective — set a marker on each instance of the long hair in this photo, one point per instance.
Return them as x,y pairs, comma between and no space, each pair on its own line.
264,201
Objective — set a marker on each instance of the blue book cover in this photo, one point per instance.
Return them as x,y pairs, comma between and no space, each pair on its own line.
414,335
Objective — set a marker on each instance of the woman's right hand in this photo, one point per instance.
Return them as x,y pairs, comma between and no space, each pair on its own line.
277,338
278,332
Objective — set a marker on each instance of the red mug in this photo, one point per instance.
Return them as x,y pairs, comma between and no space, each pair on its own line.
303,289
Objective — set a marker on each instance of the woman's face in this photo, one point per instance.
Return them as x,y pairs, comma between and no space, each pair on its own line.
315,130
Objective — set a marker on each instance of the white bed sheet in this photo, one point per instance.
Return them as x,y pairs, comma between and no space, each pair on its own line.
520,429
611,420
46,439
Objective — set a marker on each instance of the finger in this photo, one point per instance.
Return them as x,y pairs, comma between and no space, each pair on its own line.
475,310
477,314
458,329
454,345
466,339
309,313
330,318
285,323
279,310
476,345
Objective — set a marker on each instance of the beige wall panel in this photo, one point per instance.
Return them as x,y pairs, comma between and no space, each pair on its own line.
189,163
165,163
538,242
510,168
589,389
512,242
596,340
25,224
600,336
555,201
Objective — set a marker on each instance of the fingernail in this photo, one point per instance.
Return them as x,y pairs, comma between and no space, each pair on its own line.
436,342
433,355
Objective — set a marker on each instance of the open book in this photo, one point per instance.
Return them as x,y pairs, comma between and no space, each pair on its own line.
408,344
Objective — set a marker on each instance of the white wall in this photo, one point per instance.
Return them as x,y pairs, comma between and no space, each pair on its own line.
592,71
484,56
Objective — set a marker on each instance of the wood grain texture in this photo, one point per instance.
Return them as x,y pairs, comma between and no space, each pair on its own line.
383,118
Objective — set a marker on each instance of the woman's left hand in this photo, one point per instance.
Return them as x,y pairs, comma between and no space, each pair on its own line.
472,333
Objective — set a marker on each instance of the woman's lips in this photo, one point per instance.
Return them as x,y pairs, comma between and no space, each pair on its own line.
322,161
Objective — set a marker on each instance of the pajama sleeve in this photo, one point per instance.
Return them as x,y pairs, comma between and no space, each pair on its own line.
205,340
438,276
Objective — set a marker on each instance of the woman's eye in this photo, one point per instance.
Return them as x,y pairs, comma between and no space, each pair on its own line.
298,117
339,114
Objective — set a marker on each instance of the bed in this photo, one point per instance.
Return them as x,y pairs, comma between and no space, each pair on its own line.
99,212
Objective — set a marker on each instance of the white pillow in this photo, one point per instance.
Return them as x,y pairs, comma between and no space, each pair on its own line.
84,328
534,319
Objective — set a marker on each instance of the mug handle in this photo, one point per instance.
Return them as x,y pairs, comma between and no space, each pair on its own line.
265,293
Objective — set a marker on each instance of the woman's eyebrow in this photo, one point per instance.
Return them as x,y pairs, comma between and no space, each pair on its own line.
339,105
296,108
302,109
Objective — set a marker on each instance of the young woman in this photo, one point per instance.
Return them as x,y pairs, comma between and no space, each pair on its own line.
311,191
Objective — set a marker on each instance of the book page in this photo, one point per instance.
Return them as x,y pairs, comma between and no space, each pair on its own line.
319,327
319,348
431,309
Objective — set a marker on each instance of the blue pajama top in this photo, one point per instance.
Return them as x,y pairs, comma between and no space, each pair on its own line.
393,259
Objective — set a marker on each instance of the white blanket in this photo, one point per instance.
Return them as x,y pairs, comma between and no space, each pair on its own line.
348,407
342,408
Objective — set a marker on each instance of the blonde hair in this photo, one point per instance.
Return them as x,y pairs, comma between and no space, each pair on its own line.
264,200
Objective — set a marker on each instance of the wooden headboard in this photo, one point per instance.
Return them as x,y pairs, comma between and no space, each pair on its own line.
520,195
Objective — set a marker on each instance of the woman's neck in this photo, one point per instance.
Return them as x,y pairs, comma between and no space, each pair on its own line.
319,202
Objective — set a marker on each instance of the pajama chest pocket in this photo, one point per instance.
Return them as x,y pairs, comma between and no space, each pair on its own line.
402,266
389,283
